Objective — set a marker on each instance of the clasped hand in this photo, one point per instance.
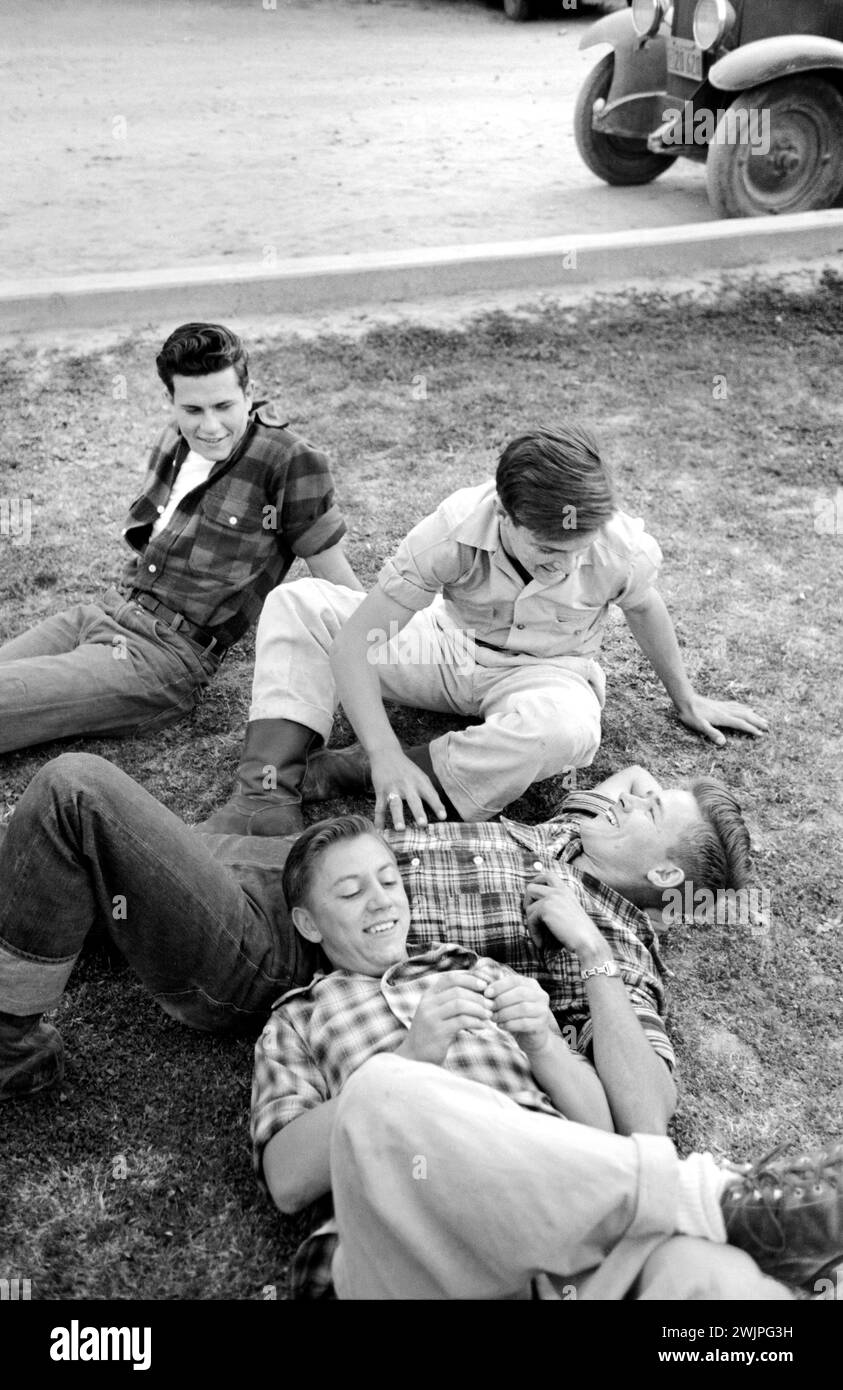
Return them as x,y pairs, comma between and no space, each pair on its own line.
463,999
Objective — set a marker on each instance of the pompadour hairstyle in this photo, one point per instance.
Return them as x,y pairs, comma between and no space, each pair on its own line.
198,349
715,855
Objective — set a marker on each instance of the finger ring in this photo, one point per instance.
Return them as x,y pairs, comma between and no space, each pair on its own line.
393,796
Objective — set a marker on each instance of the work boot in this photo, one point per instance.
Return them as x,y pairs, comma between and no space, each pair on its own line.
267,800
788,1215
31,1056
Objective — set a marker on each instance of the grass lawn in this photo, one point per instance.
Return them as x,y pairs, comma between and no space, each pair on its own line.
723,423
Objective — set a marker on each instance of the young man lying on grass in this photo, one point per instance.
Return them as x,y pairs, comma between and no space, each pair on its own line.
468,1147
495,607
204,922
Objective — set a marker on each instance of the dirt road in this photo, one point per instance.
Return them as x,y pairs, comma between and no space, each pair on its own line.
142,134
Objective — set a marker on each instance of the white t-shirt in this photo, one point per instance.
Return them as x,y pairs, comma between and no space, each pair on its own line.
194,470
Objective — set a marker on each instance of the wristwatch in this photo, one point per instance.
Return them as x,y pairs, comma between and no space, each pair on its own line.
607,968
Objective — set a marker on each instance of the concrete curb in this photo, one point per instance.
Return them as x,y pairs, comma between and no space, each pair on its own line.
318,284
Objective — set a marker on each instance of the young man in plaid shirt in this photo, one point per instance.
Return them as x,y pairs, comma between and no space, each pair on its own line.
231,497
468,1148
204,922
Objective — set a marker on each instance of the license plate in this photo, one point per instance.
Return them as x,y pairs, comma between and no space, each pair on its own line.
684,59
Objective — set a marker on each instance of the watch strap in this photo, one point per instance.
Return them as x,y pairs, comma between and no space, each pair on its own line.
609,967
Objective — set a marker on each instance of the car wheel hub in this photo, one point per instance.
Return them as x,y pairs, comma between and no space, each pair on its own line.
796,151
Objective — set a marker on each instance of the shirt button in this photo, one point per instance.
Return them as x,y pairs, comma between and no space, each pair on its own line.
538,866
414,863
159,510
232,521
152,569
478,859
520,627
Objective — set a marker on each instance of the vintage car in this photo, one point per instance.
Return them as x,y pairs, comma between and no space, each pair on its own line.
754,88
521,10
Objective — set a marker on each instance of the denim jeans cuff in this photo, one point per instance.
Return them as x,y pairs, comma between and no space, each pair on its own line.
30,986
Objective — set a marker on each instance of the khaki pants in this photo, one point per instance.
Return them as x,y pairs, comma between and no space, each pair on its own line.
540,717
446,1189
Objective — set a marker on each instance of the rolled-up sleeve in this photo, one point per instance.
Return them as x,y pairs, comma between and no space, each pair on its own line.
311,520
652,1025
285,1083
644,565
428,559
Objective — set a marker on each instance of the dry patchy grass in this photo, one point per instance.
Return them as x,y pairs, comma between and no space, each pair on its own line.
135,1181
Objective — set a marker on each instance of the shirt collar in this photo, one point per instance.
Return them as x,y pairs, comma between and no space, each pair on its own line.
414,965
481,527
442,954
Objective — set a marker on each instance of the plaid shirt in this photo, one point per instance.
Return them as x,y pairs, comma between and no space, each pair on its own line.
465,880
317,1036
235,537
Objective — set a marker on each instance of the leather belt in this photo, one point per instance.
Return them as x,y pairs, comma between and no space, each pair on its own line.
177,622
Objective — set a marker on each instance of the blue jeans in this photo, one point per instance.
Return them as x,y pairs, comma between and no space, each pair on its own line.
109,668
200,918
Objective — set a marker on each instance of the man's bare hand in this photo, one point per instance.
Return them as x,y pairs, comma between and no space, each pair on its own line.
522,1008
552,904
708,717
396,779
454,1001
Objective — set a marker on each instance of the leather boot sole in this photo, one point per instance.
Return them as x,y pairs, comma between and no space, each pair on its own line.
254,815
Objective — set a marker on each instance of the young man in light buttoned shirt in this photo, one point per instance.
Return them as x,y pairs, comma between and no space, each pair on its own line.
494,606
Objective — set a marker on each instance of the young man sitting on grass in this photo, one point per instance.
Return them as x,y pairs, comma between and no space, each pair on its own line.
494,606
203,920
231,496
468,1147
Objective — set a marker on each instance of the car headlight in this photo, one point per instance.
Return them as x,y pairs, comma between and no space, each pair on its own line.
647,15
712,20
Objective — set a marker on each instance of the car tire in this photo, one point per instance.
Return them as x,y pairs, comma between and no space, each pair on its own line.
616,159
519,10
806,125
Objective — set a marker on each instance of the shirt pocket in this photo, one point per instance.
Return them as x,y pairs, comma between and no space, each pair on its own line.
228,534
472,896
567,629
564,617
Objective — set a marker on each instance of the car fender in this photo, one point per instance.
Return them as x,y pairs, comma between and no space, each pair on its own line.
766,59
616,29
